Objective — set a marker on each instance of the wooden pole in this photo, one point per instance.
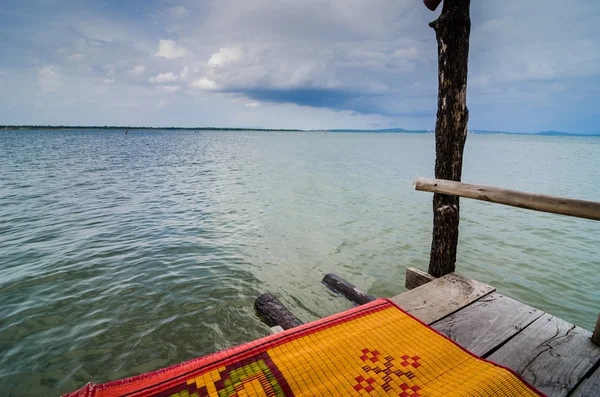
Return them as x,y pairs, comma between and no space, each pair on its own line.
537,202
452,30
274,313
350,291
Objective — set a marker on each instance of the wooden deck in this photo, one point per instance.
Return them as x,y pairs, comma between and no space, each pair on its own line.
556,357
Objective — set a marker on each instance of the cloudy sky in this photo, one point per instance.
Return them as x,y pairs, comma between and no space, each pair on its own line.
310,64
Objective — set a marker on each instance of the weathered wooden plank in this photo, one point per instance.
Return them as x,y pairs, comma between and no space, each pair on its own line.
590,387
551,354
273,312
349,290
514,198
441,297
487,323
415,278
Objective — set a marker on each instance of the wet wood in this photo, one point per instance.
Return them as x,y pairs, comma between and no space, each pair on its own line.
274,313
551,354
590,387
441,297
347,289
452,31
596,335
514,198
415,278
487,323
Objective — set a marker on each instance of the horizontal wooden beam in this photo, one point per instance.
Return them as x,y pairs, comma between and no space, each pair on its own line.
350,291
415,278
537,202
274,313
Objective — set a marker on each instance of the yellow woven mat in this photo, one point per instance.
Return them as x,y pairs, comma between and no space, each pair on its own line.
372,350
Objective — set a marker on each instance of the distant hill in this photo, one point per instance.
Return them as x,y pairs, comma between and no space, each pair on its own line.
542,133
477,132
381,131
385,130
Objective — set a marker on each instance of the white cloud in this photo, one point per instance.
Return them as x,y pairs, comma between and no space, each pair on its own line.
406,53
109,69
168,89
76,57
205,84
126,105
138,69
177,12
253,104
108,81
162,78
184,73
49,79
170,50
226,56
161,104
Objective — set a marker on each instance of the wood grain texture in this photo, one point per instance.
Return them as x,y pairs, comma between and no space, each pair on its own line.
441,297
590,387
514,198
415,278
487,323
551,354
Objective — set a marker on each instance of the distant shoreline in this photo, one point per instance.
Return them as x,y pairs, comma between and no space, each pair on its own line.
380,131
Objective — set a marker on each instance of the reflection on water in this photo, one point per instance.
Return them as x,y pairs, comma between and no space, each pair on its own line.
122,254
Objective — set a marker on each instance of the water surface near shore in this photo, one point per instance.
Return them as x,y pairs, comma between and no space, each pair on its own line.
122,254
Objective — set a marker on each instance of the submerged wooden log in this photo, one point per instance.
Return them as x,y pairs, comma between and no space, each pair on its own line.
415,278
274,313
350,291
452,31
514,198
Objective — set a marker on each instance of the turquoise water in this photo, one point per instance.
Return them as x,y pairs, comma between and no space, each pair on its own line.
121,254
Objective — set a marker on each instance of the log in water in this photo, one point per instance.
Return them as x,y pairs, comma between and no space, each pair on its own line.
273,312
349,290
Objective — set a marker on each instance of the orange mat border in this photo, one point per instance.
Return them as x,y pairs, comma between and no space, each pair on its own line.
174,375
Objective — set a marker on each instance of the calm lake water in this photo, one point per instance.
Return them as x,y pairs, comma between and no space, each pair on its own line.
122,254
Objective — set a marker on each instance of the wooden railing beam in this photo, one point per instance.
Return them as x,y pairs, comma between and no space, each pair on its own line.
514,198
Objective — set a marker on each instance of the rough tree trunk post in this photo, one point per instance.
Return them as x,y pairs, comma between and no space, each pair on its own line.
452,30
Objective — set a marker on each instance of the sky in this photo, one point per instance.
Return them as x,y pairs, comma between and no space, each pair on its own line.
308,64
